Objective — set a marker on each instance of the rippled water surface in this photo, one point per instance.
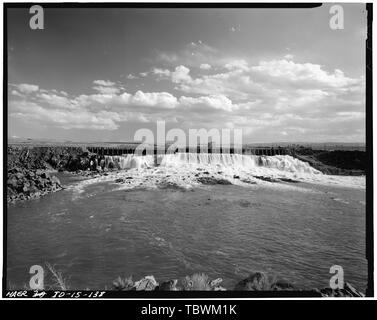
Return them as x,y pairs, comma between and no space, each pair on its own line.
93,236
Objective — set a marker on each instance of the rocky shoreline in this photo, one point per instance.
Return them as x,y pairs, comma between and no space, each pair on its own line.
25,184
257,281
30,169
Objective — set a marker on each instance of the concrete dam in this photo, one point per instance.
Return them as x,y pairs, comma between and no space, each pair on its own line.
259,151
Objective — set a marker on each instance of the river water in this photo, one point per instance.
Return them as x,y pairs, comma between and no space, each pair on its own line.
160,221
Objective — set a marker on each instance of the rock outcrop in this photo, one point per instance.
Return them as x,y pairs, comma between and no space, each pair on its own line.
24,184
58,158
28,169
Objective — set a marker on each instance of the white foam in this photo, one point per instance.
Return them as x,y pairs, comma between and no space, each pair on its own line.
184,169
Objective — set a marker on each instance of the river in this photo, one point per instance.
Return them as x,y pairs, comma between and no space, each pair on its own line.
161,222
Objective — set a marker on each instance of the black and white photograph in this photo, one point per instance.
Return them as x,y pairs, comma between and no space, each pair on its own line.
189,150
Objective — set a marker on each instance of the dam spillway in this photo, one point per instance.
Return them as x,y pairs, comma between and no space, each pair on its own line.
121,150
190,162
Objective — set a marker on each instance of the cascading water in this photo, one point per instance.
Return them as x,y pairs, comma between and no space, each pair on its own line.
232,161
189,169
186,170
128,161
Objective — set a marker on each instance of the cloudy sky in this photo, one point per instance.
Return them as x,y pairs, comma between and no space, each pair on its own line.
100,74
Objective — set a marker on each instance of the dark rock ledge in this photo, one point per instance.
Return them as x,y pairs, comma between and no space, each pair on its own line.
25,184
29,169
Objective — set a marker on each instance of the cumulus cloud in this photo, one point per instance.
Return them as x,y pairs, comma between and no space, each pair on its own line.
26,88
77,119
288,56
106,87
153,99
57,101
107,90
181,74
104,83
266,91
237,65
192,55
279,93
105,111
307,73
269,99
276,82
16,93
161,72
219,102
205,66
130,76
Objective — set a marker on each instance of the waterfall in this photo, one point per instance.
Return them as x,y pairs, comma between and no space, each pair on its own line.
128,161
282,163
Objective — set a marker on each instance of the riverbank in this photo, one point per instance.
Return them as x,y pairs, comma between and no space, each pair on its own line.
336,162
31,169
25,184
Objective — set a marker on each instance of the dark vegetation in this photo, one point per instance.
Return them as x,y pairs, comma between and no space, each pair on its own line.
256,281
337,162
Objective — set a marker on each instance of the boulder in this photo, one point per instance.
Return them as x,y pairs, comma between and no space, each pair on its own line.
25,184
282,285
255,282
170,285
148,283
197,282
